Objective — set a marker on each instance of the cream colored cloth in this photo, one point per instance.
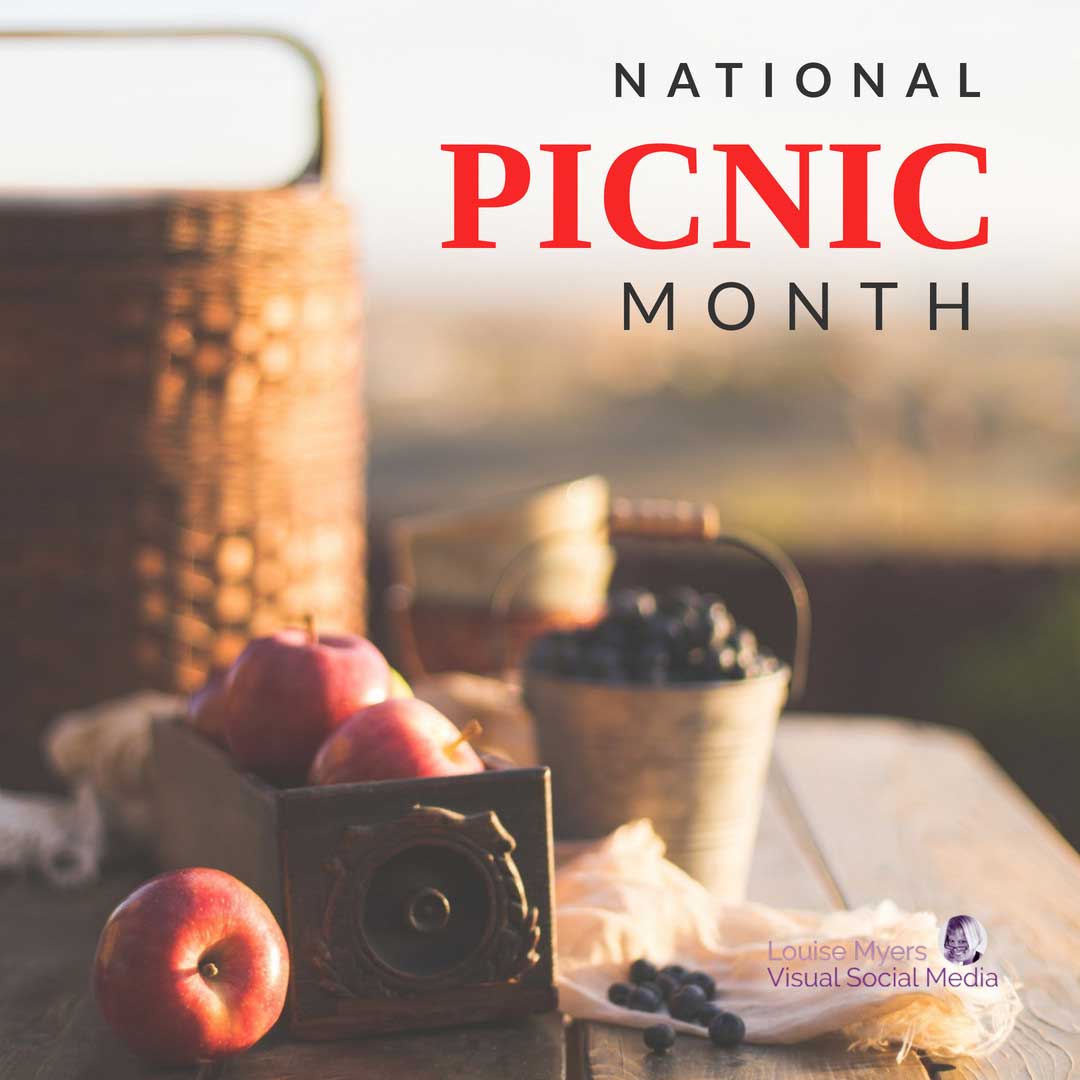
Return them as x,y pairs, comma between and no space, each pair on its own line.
621,899
108,747
104,755
62,839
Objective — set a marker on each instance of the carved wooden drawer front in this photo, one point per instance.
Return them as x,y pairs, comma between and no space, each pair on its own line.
418,903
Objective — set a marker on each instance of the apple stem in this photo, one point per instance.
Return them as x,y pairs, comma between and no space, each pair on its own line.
309,626
209,970
472,730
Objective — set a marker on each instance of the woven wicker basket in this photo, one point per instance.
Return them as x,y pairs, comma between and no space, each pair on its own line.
181,435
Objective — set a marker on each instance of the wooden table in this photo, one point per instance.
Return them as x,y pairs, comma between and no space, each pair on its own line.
857,810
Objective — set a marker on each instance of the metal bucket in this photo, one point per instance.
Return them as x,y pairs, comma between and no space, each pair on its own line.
692,758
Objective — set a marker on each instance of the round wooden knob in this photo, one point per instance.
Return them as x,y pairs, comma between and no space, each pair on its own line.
427,911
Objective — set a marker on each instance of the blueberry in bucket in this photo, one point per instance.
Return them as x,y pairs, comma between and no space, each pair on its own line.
721,624
603,662
566,653
682,603
681,637
650,664
631,605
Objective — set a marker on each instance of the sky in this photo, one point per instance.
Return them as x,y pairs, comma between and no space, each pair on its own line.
406,77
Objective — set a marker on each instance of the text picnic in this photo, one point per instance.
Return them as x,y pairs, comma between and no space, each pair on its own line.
742,160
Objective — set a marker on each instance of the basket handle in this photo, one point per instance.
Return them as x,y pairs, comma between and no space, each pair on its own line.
671,520
317,167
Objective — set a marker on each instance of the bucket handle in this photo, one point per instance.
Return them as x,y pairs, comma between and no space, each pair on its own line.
673,520
317,166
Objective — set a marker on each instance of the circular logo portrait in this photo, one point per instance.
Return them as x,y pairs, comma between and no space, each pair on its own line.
963,940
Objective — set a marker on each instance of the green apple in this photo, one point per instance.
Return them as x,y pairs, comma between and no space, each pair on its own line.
399,688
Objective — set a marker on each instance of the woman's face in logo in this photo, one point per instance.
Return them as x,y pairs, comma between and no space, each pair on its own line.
956,942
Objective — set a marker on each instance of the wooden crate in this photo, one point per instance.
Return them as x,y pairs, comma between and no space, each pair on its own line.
406,903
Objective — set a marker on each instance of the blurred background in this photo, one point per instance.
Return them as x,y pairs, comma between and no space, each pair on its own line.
928,484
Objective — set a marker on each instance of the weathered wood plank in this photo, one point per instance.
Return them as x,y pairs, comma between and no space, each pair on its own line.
528,1049
788,871
47,940
614,1053
924,816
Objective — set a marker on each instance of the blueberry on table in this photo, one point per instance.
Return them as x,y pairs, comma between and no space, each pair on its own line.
676,971
686,1002
727,1029
643,1000
705,981
642,971
708,1012
660,1037
619,993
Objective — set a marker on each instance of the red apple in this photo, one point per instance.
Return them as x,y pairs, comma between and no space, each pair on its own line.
191,967
206,707
399,738
287,692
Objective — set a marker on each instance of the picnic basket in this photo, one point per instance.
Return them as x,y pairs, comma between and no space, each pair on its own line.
181,429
